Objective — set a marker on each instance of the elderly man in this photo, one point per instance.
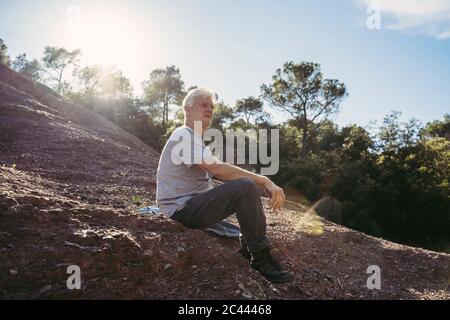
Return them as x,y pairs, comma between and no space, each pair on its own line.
185,192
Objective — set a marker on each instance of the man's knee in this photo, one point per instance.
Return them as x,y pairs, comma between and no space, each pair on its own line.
245,184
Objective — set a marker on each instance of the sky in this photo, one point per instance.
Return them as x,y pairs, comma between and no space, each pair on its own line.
391,54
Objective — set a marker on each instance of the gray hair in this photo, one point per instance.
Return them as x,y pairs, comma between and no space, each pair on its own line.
194,94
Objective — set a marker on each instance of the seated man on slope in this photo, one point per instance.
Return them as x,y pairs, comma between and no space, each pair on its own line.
186,194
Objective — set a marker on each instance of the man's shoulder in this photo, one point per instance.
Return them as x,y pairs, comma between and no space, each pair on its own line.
182,131
186,135
181,136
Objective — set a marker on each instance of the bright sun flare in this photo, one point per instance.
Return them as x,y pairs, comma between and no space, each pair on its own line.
108,39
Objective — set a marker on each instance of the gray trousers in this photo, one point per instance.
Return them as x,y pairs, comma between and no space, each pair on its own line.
238,196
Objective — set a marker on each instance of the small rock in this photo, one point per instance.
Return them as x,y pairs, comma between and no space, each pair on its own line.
247,295
45,289
167,266
13,272
148,252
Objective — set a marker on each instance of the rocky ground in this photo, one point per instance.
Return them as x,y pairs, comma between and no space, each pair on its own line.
68,186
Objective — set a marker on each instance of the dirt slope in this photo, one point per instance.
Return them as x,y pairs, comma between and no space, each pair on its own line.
66,181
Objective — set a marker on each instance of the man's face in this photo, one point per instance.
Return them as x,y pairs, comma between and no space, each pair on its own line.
202,111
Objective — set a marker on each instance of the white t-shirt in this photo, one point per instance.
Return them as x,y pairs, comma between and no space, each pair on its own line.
178,179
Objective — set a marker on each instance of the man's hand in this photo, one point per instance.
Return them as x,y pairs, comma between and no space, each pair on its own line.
277,196
225,171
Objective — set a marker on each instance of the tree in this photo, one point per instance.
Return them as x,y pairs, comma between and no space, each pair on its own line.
4,57
438,128
114,85
301,91
164,88
357,142
99,87
133,118
29,68
89,78
394,135
249,107
57,61
221,115
263,119
327,137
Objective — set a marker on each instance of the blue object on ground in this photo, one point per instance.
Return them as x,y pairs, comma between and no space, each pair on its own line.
223,228
151,210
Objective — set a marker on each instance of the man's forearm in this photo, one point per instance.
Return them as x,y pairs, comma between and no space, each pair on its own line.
225,171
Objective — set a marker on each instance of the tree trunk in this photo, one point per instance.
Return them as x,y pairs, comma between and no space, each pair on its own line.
59,83
59,80
164,117
304,150
165,113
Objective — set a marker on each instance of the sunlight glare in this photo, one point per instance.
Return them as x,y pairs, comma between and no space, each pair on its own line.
110,39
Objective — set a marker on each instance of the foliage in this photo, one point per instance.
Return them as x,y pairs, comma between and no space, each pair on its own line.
29,68
163,89
392,182
56,61
302,92
4,57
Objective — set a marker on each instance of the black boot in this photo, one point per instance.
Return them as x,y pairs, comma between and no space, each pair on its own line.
269,267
